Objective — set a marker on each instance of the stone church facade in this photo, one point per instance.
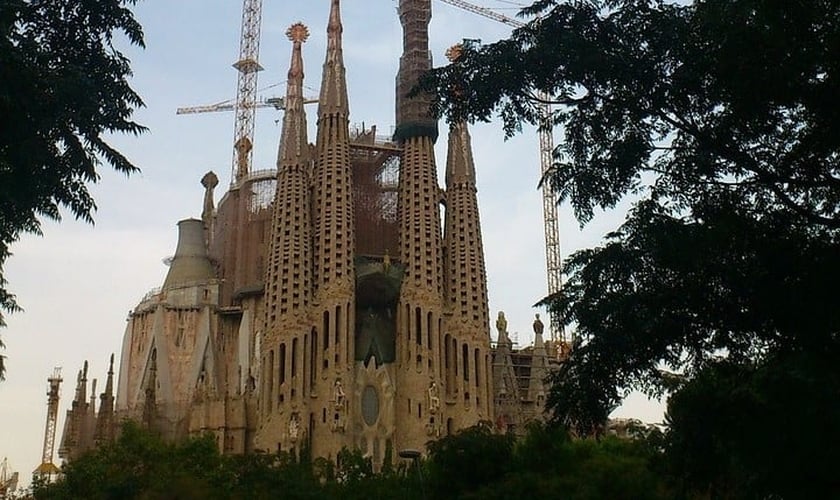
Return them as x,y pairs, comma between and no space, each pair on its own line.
327,303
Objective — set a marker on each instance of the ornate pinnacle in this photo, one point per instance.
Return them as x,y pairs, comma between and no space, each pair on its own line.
454,53
334,26
298,32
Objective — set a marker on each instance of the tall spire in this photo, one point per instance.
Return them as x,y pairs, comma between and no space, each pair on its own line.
334,239
413,113
333,98
332,188
293,142
466,278
421,251
288,271
105,419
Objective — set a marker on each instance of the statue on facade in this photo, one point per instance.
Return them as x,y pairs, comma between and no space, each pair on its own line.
434,398
294,427
339,397
539,327
339,407
501,323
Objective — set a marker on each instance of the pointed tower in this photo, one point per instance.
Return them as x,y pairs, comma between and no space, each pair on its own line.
288,283
539,369
507,410
74,440
334,250
105,419
420,307
467,324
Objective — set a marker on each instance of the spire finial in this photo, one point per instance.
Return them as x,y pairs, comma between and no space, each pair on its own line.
334,27
333,96
298,32
454,53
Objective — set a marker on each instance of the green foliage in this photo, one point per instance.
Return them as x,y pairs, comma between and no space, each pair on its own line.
467,460
751,431
717,118
473,464
63,88
140,465
545,463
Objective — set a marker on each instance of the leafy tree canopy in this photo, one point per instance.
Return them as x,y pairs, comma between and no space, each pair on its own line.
472,464
63,88
718,118
789,403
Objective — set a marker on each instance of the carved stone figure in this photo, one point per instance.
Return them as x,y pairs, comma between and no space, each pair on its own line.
294,427
501,323
539,327
434,398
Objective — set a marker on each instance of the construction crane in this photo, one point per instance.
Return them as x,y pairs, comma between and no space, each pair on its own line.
48,469
553,259
8,480
246,103
278,103
248,66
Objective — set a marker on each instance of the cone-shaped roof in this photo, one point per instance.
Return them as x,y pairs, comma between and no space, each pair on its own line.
460,166
293,141
191,262
333,98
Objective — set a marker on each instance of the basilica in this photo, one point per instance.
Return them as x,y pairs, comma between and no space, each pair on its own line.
339,300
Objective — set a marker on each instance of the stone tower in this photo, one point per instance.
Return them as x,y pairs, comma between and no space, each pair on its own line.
285,389
334,251
467,338
420,311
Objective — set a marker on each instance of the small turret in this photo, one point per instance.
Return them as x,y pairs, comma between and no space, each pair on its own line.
191,262
539,365
105,419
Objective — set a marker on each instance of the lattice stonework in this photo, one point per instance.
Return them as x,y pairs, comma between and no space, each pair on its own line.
420,238
465,270
288,278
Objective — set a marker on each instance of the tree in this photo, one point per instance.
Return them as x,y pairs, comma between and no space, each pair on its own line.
545,463
465,461
63,88
790,404
717,118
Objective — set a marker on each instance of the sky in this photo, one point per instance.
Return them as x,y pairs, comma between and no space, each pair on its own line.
78,283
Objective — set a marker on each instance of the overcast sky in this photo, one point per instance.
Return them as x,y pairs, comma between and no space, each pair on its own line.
78,282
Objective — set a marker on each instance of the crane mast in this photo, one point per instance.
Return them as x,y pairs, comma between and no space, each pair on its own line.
553,258
8,480
246,90
47,468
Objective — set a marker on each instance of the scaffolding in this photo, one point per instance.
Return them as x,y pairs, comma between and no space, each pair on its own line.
47,469
8,480
375,165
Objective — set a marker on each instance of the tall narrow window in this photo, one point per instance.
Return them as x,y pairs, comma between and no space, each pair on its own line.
294,357
447,363
418,324
306,365
429,329
326,331
313,365
337,323
270,378
282,363
465,362
475,367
